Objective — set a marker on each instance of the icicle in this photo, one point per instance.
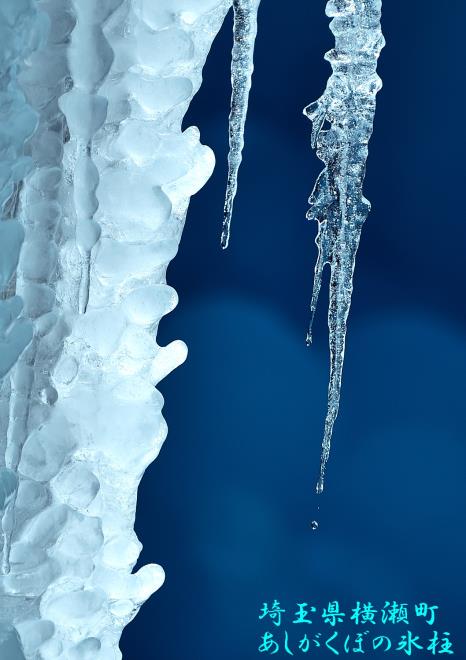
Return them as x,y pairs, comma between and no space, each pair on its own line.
242,67
337,202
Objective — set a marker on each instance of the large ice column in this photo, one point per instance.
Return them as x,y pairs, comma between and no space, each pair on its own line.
337,202
22,31
101,216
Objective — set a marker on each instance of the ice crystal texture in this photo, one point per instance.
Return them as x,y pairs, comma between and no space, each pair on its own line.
337,202
95,180
242,67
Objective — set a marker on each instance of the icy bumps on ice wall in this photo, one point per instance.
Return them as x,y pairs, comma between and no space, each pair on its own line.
95,180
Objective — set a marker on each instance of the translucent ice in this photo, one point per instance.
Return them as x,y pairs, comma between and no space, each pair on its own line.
242,67
337,202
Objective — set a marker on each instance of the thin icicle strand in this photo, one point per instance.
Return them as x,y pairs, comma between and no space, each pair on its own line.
337,201
242,67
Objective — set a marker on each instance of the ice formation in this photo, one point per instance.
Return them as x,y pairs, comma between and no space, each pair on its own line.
242,67
22,29
95,180
337,201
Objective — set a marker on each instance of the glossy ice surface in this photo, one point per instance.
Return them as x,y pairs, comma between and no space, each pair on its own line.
95,180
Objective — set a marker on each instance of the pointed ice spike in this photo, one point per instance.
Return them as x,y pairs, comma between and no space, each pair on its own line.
337,202
341,288
242,66
315,292
320,201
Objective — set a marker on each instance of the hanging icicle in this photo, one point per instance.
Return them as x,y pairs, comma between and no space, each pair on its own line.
242,67
337,201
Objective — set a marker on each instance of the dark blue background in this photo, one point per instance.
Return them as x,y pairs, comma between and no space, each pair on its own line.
227,506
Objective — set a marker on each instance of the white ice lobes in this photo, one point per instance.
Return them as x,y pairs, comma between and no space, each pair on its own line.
337,202
85,240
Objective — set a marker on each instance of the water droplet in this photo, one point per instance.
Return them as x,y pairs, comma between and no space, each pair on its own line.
314,525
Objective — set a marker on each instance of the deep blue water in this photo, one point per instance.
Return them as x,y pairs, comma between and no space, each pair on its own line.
227,506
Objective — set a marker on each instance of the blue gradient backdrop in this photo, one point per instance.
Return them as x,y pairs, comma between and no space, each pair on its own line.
227,506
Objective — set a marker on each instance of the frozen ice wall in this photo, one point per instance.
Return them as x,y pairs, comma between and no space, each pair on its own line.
22,31
95,180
